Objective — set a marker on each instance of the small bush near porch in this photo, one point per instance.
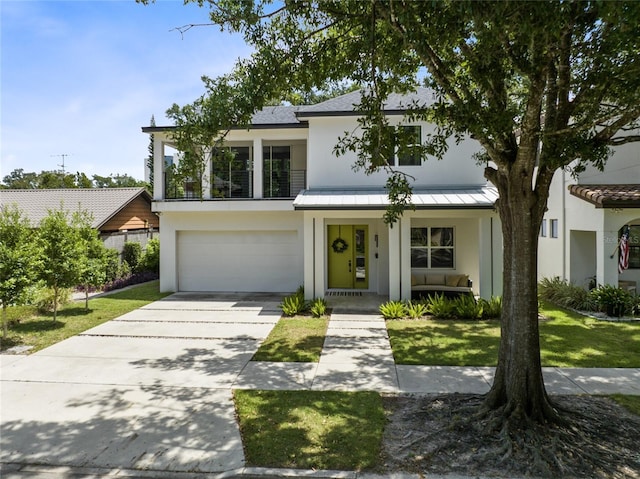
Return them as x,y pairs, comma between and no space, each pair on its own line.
567,339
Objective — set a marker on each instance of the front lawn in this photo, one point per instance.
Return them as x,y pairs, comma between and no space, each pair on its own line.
311,429
40,331
567,339
297,339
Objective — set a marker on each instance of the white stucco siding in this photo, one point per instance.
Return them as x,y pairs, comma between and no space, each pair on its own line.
326,170
232,251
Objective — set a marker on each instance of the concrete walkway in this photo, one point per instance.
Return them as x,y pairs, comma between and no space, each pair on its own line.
149,394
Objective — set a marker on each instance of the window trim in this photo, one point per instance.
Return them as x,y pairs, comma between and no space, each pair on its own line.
429,248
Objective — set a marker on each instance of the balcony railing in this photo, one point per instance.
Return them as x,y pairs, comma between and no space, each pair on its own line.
238,186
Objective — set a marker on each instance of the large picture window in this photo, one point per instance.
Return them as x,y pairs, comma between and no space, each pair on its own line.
432,248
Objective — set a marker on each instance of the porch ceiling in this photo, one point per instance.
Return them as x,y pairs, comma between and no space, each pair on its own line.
608,196
480,197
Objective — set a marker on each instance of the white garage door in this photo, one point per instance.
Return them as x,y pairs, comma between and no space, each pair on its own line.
256,261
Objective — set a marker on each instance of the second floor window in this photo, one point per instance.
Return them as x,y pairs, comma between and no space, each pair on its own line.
276,171
401,145
232,173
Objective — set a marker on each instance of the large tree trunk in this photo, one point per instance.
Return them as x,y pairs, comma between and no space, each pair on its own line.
518,385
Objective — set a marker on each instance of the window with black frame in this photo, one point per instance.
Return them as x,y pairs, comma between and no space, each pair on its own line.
634,246
276,171
432,247
231,172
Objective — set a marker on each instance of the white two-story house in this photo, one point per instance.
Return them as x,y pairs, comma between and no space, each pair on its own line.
286,211
581,230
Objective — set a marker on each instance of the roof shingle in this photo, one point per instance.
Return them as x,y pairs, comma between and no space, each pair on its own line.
101,203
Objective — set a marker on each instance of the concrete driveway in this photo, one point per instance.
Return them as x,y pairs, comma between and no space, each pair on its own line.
149,390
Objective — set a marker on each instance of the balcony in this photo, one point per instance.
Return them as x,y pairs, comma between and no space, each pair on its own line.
238,184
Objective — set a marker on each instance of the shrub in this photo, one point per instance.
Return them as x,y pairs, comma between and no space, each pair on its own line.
45,297
416,310
612,300
292,305
129,280
465,307
563,293
150,260
393,310
112,264
318,307
440,307
131,254
491,308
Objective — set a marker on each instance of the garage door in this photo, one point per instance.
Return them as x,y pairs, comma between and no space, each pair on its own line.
257,261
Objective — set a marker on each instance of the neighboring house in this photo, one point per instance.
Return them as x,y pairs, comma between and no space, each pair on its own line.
119,214
287,212
584,222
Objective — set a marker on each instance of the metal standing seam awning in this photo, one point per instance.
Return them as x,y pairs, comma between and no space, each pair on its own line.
452,198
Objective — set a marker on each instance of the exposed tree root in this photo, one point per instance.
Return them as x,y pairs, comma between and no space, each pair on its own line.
452,433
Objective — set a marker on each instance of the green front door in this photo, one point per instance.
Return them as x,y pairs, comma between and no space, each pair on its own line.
348,261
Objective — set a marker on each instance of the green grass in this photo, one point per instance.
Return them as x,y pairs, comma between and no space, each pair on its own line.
567,339
40,331
311,429
297,339
631,403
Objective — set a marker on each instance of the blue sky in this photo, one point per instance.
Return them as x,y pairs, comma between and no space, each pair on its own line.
82,77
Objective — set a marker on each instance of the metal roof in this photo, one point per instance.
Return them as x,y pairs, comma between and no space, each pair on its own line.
480,197
102,203
608,196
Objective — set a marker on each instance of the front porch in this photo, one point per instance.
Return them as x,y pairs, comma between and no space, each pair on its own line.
351,249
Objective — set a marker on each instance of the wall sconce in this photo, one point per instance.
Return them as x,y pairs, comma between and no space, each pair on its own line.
375,238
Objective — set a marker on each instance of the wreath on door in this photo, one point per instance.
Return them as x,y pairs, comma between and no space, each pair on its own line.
339,245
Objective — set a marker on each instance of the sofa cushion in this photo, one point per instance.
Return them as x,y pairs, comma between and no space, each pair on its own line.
434,279
417,279
452,279
464,280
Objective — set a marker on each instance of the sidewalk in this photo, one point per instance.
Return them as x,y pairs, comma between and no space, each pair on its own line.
357,356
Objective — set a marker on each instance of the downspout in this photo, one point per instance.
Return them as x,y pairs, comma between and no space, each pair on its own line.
491,243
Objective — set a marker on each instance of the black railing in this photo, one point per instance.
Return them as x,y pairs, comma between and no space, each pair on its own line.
239,185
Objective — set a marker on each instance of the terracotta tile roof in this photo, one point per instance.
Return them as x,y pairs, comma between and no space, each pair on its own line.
102,203
608,196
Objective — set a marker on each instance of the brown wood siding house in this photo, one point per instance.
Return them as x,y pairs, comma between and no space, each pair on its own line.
119,214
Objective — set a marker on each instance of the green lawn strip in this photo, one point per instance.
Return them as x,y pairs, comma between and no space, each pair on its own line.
444,342
631,403
297,339
310,429
567,339
40,331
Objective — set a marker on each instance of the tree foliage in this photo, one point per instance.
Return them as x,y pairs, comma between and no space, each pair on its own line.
62,251
93,262
541,86
21,180
18,258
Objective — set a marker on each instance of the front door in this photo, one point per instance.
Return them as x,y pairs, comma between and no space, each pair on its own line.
348,260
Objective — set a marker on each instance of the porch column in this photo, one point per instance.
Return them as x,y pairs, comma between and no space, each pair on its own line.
206,174
483,285
606,267
308,256
405,257
257,168
319,256
394,261
158,168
